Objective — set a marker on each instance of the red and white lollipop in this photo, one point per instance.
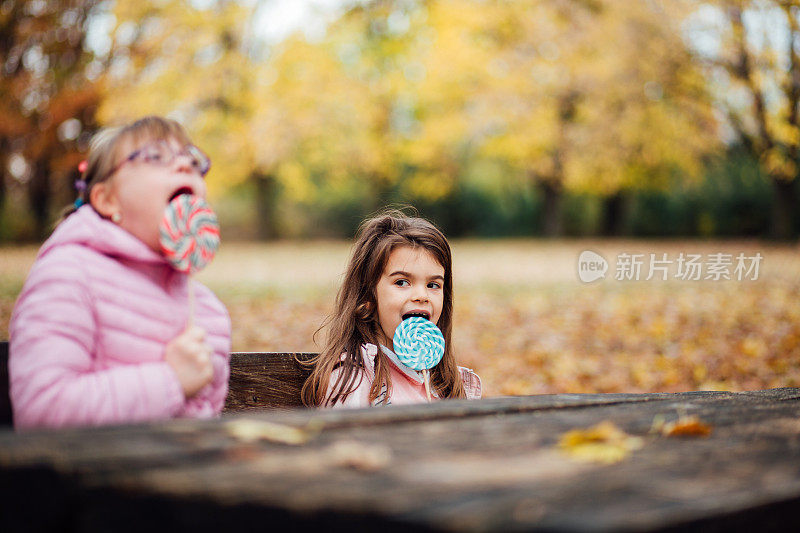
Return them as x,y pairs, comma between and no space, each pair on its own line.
189,233
189,236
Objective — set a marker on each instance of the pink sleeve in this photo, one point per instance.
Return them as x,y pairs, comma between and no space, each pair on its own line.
211,398
52,377
472,383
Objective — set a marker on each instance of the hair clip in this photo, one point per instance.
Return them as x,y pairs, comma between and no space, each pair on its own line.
80,185
79,202
82,166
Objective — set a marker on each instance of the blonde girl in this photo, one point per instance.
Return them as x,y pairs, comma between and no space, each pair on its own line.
99,333
400,266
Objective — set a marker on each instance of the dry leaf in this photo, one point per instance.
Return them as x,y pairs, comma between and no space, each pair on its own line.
353,454
686,426
603,443
249,430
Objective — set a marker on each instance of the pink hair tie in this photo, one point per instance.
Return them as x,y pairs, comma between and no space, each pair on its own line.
82,166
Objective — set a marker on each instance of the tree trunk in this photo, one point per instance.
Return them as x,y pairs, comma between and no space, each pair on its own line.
552,225
3,189
614,213
783,208
266,192
39,198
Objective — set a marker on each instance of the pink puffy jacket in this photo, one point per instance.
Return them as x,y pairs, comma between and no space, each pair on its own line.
88,332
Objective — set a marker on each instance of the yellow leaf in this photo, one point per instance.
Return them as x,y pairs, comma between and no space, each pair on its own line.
603,443
249,430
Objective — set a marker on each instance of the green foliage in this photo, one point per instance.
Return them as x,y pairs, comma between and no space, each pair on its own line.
733,199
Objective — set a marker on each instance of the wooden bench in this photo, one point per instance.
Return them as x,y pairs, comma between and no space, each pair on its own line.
259,380
266,380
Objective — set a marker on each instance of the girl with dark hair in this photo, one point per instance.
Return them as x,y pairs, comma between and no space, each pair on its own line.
400,266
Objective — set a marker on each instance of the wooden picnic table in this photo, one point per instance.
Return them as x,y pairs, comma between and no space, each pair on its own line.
489,465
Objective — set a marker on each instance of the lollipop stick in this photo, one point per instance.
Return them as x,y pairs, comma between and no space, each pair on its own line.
191,303
426,374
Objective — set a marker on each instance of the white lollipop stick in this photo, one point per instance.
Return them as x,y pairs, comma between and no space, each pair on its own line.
426,374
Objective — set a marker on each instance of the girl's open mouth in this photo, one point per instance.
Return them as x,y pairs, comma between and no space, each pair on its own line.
421,314
182,190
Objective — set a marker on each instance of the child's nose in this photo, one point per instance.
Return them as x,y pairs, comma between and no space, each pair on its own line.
182,162
420,294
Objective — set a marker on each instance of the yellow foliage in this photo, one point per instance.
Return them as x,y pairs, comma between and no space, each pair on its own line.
294,179
540,86
777,163
431,186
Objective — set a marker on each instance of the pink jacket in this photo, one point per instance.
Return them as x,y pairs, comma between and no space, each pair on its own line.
88,332
407,384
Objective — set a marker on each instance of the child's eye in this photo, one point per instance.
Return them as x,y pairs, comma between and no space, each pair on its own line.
153,157
402,283
434,285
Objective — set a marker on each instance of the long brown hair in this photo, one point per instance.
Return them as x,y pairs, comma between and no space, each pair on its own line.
106,149
355,319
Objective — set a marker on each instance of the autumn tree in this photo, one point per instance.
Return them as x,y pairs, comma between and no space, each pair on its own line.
540,86
48,97
354,83
751,49
398,99
197,65
283,118
594,96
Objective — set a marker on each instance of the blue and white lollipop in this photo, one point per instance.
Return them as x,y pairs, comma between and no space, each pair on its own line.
419,344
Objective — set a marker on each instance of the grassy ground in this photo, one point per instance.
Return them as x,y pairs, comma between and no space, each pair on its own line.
526,322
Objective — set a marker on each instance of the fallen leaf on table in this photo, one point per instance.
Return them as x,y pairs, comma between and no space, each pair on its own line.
686,426
603,443
360,456
249,430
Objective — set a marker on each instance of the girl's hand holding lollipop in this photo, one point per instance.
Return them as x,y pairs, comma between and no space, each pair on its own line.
189,238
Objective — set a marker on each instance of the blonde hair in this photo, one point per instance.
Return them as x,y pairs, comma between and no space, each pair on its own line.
106,150
355,321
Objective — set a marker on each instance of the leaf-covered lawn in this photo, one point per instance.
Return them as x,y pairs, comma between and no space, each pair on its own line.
525,322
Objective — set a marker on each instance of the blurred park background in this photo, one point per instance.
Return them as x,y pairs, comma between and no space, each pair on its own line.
528,130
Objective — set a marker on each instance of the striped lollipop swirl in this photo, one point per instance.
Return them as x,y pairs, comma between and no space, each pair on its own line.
418,343
189,233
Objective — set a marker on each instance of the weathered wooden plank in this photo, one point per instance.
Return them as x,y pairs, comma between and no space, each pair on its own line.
266,380
490,465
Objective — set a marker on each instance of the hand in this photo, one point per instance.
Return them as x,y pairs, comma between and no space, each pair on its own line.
190,357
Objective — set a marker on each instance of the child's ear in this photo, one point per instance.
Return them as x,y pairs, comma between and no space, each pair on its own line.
104,200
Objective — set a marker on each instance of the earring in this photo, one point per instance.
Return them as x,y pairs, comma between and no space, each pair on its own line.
116,218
